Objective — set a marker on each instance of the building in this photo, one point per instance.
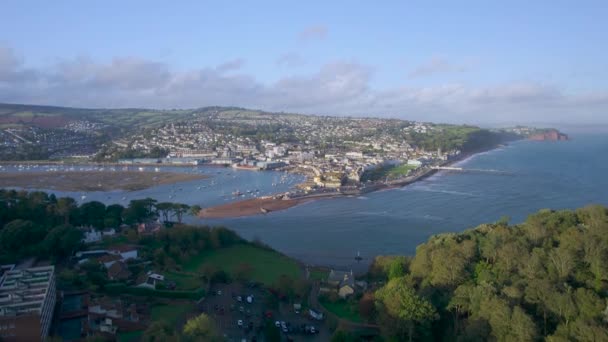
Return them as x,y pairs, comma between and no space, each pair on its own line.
27,302
342,282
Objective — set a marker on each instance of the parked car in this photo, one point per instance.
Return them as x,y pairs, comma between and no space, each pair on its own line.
240,322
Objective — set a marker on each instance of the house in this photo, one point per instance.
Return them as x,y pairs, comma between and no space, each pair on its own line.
91,236
150,280
315,314
109,259
342,282
119,271
109,316
149,227
124,251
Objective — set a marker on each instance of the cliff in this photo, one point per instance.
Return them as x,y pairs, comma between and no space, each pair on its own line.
549,135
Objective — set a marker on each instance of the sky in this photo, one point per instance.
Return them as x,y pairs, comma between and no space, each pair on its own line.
479,62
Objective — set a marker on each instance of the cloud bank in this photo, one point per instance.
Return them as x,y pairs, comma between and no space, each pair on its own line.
336,88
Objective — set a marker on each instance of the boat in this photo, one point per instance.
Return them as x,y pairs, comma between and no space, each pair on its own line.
264,210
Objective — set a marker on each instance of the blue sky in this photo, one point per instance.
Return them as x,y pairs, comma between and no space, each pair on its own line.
465,61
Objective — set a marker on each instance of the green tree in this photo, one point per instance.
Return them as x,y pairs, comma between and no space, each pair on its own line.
159,332
66,207
201,328
401,301
92,213
62,241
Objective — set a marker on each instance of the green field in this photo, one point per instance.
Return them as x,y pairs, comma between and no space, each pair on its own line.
318,274
268,266
389,171
400,171
170,313
343,309
184,281
129,336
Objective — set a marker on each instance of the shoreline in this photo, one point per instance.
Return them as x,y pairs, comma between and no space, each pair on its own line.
263,206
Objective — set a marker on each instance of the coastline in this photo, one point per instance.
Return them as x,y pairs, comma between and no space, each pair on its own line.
263,206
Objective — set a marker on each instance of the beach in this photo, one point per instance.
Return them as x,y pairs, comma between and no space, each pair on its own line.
93,180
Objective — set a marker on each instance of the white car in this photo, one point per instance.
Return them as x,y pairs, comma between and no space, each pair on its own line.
240,322
277,324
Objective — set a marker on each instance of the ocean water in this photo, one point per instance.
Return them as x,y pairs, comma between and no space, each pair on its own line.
520,179
532,176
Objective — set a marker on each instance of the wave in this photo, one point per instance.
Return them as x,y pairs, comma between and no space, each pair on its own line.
449,192
363,198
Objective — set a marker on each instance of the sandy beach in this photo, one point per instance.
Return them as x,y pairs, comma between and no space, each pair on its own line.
248,207
93,180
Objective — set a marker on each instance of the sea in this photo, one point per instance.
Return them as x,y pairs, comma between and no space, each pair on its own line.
514,181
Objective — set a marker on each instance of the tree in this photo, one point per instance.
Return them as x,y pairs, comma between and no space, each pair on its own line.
397,268
165,209
400,301
21,236
180,209
139,210
195,210
113,216
159,332
367,306
92,213
66,207
201,328
62,241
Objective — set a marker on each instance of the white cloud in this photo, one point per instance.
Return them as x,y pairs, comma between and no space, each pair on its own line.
340,88
315,32
231,65
291,60
436,66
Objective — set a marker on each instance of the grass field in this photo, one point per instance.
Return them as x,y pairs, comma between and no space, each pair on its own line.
318,274
343,309
401,170
129,336
268,266
184,281
170,313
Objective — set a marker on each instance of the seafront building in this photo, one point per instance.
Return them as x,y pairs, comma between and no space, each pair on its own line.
27,302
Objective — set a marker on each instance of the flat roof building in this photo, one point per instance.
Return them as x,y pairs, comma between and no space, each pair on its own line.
27,302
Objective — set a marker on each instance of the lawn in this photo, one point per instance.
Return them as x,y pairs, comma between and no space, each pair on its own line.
318,274
184,281
400,171
343,309
268,266
170,313
129,336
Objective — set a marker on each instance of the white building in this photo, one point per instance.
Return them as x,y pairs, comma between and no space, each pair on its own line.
27,303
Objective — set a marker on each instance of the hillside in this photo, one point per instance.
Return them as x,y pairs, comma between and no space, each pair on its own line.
544,278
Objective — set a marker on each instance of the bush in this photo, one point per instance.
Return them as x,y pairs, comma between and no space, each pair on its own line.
120,288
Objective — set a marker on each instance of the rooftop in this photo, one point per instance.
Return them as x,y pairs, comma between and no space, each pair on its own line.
24,291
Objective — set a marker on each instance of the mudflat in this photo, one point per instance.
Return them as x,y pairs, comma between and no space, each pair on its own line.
93,180
249,207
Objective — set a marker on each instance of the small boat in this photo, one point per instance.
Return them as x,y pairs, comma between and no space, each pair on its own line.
264,210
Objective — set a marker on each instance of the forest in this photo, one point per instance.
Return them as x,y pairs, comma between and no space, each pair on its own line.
38,224
543,279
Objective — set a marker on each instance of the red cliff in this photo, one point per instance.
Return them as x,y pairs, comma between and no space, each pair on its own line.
550,135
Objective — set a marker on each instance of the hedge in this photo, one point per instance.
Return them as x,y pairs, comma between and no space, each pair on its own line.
118,289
